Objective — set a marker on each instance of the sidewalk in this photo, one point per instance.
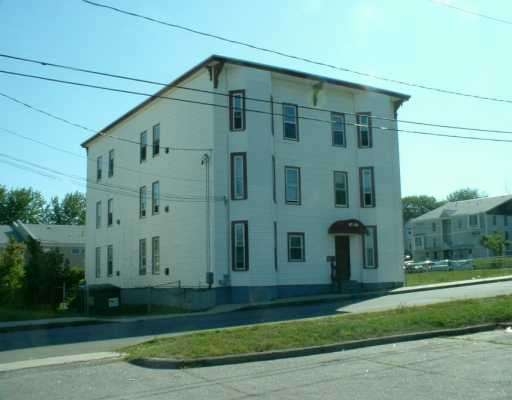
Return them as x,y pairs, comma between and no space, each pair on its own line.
226,308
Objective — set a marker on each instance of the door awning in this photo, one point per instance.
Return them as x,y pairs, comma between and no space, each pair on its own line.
347,226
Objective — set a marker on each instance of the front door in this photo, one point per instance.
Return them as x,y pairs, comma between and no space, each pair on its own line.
342,248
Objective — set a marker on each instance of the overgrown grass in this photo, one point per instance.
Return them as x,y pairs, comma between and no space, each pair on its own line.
327,330
426,278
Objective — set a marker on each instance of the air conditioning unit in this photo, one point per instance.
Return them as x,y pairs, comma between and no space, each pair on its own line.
143,213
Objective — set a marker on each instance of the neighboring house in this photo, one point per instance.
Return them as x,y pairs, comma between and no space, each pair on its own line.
287,195
454,230
69,239
408,238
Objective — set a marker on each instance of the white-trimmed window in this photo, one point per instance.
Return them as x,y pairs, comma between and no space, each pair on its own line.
110,260
155,197
291,121
155,254
370,247
156,140
237,110
473,221
110,212
367,187
99,167
142,257
98,262
143,146
238,176
338,129
98,214
111,163
240,245
364,130
296,247
419,242
142,201
292,185
340,189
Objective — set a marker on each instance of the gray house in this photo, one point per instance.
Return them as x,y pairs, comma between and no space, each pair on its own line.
454,230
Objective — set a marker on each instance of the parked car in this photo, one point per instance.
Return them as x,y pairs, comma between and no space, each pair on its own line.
459,265
441,265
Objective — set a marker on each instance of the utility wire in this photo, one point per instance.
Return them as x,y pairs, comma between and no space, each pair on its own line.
204,103
471,12
267,101
298,58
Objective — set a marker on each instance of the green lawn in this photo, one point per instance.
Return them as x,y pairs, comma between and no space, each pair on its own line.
426,278
327,330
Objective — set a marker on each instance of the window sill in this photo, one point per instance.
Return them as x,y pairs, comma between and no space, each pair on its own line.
341,206
292,204
343,146
296,261
290,139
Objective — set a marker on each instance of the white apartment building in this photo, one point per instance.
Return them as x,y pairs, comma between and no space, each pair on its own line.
243,182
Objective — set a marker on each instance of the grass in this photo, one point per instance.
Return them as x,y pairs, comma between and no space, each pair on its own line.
426,278
23,314
327,330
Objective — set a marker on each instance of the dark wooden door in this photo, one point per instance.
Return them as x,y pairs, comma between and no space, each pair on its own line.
342,248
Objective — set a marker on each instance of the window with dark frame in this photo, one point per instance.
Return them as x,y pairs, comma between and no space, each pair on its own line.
142,257
292,185
110,260
473,220
111,163
99,165
296,247
367,187
370,247
142,201
505,220
155,197
338,129
98,262
240,245
434,226
98,214
110,212
340,189
494,219
155,254
238,176
156,140
274,193
364,130
237,110
290,121
143,146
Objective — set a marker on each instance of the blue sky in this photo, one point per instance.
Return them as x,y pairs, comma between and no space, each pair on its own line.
410,40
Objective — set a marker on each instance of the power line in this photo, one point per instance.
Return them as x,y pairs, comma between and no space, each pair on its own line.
471,12
204,103
140,80
298,58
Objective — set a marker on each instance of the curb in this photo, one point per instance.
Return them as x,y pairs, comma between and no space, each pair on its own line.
168,363
50,325
454,284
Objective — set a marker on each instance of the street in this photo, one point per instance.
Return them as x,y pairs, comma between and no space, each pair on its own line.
464,367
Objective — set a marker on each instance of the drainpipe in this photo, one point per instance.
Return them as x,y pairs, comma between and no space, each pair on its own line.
205,160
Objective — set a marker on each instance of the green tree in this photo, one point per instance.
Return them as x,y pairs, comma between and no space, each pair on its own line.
414,206
12,271
69,211
22,204
465,194
495,242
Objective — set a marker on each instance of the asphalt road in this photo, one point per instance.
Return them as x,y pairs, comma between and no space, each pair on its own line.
466,367
25,345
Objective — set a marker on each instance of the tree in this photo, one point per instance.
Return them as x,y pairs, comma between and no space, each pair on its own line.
12,271
69,211
495,242
414,206
465,194
22,204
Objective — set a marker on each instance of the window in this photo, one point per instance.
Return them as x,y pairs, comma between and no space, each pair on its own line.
418,242
98,262
156,140
237,110
143,146
274,179
338,129
505,220
292,185
111,163
434,226
110,260
364,130
494,219
367,187
99,164
110,215
239,245
75,251
142,201
291,122
459,223
473,220
238,176
275,245
142,257
340,189
155,197
155,254
296,247
370,247
98,214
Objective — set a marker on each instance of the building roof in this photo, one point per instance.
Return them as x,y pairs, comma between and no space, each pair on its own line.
56,234
465,207
5,234
216,58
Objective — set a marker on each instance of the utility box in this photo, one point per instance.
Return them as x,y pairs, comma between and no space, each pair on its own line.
104,299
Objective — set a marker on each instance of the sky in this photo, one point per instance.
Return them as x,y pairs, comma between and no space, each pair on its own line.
409,40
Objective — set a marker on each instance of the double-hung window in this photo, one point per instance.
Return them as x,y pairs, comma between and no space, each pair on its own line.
367,187
274,194
142,201
296,247
291,121
111,163
238,176
142,257
156,140
473,221
98,262
143,146
155,197
240,245
340,189
292,185
364,130
237,110
370,247
110,260
99,166
338,129
155,254
98,214
110,212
